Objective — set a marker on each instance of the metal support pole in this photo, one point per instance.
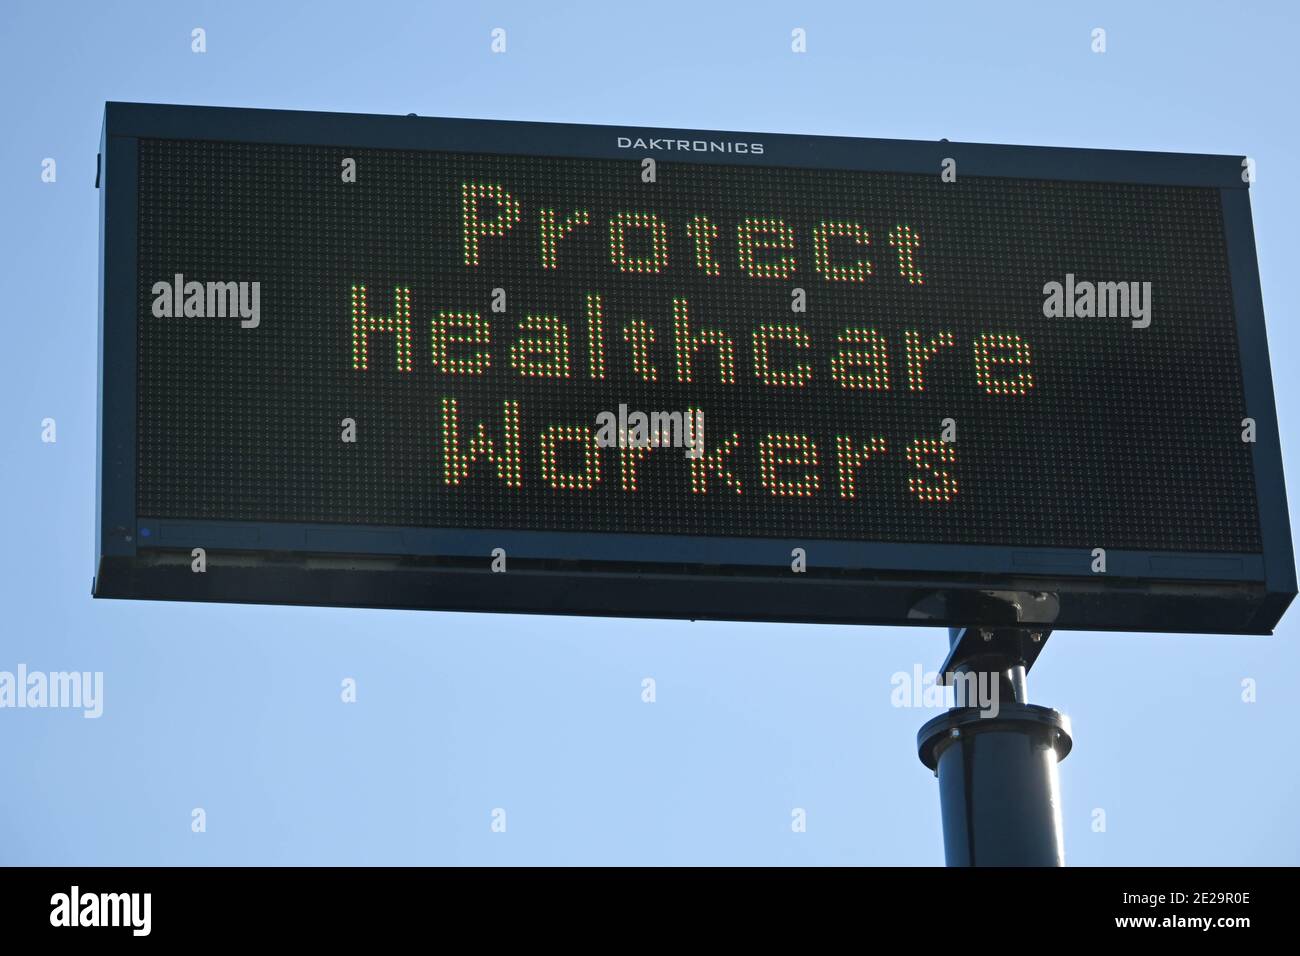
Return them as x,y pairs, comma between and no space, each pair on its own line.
996,755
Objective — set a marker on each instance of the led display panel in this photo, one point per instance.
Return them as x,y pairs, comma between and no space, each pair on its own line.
403,340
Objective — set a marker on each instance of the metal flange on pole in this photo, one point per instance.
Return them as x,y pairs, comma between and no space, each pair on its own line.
996,755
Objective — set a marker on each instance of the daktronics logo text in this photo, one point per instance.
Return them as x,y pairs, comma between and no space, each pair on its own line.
691,145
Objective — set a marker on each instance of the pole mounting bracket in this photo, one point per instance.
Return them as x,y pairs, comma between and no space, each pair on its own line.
992,649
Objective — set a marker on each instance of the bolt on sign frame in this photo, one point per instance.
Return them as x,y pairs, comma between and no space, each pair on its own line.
1109,482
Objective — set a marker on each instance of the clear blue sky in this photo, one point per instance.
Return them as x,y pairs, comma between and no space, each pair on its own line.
237,710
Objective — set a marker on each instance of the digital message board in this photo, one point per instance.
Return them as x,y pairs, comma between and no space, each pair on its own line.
409,362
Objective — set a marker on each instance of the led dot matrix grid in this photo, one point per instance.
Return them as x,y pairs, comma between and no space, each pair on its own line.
923,303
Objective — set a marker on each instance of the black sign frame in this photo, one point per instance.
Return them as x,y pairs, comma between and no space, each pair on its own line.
670,576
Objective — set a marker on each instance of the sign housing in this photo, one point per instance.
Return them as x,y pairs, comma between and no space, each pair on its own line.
374,361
